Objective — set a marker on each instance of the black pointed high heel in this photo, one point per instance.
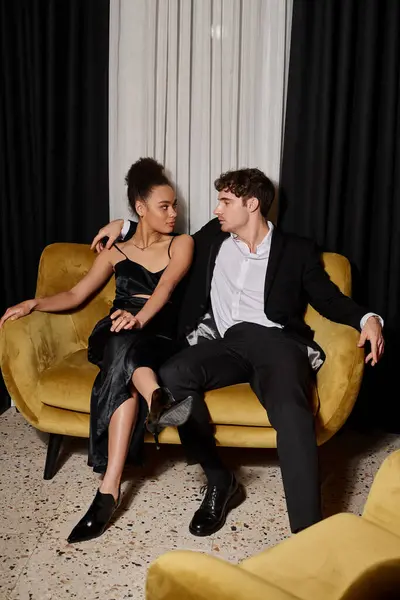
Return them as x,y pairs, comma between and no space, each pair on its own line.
165,411
156,432
97,518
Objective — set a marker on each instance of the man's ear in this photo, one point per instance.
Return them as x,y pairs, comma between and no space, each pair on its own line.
253,204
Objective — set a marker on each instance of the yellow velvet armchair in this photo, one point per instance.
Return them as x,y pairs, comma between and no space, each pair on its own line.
43,358
345,557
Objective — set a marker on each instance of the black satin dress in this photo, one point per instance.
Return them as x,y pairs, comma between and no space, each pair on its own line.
118,354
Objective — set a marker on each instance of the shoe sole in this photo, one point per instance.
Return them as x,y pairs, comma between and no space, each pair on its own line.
238,497
177,415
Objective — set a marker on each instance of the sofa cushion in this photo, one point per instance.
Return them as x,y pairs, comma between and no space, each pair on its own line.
238,405
68,385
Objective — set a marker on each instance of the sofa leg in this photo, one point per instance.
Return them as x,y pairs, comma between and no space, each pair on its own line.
53,451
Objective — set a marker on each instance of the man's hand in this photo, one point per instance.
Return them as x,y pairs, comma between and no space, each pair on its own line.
122,319
19,310
112,231
372,331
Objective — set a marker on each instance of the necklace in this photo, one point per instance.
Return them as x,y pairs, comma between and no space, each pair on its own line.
148,245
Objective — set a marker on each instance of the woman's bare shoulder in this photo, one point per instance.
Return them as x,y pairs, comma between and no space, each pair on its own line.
183,239
182,244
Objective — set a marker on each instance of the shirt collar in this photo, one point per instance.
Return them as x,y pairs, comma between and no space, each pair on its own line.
265,244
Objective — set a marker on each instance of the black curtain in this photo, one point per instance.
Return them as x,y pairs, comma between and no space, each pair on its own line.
341,163
53,132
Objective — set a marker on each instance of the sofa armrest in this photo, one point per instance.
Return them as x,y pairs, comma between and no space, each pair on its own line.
339,379
383,503
186,575
28,346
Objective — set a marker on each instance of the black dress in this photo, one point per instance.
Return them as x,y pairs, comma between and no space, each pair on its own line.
118,354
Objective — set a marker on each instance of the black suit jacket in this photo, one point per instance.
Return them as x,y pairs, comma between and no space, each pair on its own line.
295,277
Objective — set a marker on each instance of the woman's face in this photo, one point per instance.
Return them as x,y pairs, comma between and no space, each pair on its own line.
159,210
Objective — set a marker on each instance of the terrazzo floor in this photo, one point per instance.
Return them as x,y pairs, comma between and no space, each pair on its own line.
36,562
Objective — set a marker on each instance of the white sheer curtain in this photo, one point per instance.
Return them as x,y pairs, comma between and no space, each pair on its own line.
200,86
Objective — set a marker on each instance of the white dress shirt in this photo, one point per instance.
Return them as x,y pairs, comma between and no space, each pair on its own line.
237,287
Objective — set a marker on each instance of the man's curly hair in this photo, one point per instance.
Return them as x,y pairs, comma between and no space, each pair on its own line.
248,183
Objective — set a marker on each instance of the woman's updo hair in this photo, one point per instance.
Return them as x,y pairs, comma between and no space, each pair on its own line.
142,177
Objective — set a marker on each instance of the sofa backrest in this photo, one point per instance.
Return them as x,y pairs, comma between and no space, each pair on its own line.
63,265
339,270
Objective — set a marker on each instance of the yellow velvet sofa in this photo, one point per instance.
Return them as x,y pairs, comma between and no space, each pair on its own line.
43,358
345,557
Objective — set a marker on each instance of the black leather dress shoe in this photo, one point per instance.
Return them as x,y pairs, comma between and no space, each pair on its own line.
96,520
214,509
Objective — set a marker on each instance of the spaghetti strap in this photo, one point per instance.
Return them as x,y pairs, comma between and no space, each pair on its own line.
119,250
170,244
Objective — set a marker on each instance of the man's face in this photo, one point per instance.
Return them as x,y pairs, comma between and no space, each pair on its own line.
231,212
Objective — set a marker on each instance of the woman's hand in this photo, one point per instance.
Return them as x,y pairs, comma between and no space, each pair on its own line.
19,310
122,319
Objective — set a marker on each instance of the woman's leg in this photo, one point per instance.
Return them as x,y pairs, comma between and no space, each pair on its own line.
145,381
121,427
120,430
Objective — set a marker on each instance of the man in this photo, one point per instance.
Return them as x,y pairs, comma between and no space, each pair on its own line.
242,315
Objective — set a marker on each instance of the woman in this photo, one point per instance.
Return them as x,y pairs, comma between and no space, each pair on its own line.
132,342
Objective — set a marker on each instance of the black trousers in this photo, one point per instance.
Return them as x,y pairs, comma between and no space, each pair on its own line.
278,370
